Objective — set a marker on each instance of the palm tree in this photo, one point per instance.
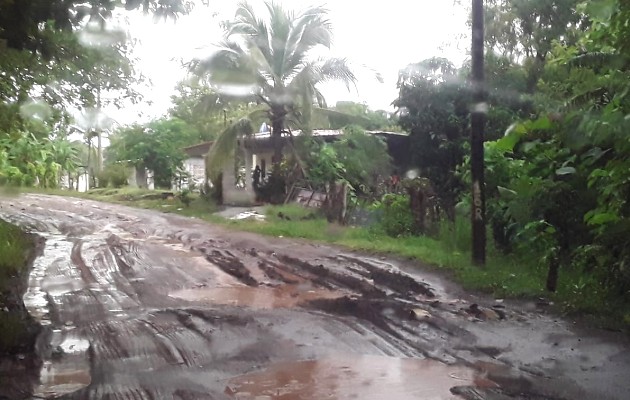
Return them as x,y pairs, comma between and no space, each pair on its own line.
271,59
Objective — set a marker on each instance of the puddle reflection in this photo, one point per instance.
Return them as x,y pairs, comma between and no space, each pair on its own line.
362,377
286,296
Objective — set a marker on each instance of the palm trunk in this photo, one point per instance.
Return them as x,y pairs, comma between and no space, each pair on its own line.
89,157
277,126
276,183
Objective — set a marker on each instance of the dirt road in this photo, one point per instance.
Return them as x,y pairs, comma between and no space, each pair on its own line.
143,305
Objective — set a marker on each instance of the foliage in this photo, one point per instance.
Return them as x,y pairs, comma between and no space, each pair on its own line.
156,146
435,112
114,175
358,158
15,248
394,213
206,109
24,25
28,161
525,31
269,60
575,156
348,111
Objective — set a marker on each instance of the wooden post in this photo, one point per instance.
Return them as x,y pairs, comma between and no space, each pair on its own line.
478,118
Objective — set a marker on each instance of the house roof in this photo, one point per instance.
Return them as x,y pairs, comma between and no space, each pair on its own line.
198,150
201,149
327,132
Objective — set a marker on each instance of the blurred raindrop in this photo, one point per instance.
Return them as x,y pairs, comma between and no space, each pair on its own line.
236,90
412,174
36,109
96,35
95,119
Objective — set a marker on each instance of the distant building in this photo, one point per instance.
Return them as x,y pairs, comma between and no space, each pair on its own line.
257,149
195,165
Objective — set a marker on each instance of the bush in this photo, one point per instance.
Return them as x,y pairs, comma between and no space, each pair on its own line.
395,215
114,175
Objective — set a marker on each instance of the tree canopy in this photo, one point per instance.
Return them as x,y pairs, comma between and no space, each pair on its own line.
269,60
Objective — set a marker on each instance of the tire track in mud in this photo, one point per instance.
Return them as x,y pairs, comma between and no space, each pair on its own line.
146,344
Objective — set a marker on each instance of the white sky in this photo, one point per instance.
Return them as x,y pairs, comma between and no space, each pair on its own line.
383,35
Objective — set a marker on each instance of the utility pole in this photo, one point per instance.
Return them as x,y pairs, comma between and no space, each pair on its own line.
478,119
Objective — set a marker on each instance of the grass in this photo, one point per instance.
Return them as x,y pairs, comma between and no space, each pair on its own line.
504,276
161,200
15,248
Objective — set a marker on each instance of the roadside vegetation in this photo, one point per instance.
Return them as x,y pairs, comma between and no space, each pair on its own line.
15,251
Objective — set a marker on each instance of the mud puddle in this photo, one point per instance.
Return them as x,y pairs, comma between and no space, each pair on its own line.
68,370
355,377
55,256
261,297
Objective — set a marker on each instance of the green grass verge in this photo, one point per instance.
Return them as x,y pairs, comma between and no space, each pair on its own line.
15,248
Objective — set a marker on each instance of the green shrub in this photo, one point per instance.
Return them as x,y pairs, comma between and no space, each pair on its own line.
395,216
13,245
456,235
114,175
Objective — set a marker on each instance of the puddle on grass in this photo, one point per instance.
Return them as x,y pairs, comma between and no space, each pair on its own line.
285,296
355,377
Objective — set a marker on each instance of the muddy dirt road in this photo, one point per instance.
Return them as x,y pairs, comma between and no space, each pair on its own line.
142,305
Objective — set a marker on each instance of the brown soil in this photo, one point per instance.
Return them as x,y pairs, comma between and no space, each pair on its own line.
144,305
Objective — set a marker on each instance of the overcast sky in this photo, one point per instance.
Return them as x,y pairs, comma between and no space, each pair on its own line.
383,35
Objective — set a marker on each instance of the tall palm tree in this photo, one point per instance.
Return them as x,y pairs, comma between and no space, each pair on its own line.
271,59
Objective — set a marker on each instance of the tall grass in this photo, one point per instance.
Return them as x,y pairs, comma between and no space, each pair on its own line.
13,251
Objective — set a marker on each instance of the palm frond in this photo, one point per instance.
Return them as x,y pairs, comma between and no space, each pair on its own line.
598,60
223,148
253,28
337,69
312,29
351,119
229,56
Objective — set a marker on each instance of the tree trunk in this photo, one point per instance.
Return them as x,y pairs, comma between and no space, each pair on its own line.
336,202
89,158
277,126
417,203
276,184
477,122
552,274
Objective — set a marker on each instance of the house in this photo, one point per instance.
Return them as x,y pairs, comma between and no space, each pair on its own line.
194,165
140,177
257,150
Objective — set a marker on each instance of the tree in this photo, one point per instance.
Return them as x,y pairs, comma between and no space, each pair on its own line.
359,159
156,146
271,59
207,110
25,24
348,111
434,109
524,30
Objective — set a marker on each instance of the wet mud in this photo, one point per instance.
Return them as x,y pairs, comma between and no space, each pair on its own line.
142,305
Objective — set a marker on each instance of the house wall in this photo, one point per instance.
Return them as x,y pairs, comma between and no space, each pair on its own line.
259,156
232,194
196,167
141,178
